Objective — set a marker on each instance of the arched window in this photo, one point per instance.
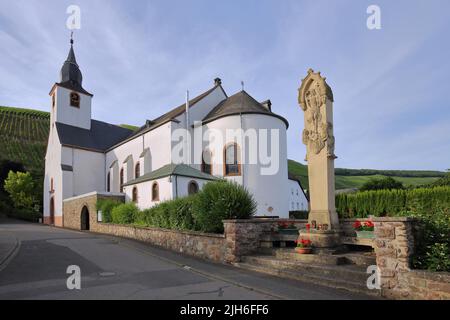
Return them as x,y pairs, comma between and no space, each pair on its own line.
121,180
155,192
51,185
108,182
74,99
232,167
135,195
53,100
206,162
192,187
137,170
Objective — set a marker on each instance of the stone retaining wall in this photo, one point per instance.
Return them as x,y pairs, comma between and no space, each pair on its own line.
243,236
394,248
202,245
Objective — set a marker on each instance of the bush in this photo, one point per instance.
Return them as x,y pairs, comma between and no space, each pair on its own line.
221,200
106,206
385,183
174,214
21,189
124,213
203,211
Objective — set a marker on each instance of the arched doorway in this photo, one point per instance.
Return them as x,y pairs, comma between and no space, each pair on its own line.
84,218
52,211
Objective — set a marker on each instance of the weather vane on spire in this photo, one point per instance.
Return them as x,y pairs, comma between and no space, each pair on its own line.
242,85
71,37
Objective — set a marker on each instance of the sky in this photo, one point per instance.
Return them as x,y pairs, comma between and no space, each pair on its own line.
391,85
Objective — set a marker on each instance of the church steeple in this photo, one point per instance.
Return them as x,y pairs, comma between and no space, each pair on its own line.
70,71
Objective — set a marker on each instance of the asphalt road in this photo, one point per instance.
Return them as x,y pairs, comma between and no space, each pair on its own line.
115,268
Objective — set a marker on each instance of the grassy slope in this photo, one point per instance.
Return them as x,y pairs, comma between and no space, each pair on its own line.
356,181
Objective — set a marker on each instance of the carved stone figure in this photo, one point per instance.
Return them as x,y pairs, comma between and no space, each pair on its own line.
316,100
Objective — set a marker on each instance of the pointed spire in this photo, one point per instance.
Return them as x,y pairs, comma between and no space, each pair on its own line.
70,72
71,56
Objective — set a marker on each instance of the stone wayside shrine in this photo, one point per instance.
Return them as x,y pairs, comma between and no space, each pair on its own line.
316,100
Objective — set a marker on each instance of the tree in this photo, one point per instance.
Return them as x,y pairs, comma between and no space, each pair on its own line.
381,183
441,182
21,189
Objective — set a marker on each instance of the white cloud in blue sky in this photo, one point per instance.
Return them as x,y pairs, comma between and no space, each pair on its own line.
391,86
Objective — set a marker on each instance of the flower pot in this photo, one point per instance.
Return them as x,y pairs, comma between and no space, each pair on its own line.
365,234
303,250
288,231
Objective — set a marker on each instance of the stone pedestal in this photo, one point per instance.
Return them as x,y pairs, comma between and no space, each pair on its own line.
316,100
323,241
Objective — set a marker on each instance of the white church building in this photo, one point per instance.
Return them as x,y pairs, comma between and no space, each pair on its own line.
86,155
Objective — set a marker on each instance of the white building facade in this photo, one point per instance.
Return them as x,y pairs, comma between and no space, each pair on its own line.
171,156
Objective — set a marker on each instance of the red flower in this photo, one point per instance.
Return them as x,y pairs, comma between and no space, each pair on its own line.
308,226
369,224
357,224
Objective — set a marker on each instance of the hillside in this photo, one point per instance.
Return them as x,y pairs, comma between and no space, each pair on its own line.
23,136
24,133
355,178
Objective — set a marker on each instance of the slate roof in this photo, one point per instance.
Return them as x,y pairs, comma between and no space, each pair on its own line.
172,114
101,136
71,77
172,170
239,103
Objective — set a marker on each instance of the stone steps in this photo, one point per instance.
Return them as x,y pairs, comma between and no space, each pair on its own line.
348,277
320,259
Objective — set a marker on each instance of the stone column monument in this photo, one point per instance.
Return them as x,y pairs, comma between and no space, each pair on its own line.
316,99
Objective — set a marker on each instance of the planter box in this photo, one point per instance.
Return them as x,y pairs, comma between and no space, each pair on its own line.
365,234
303,250
288,231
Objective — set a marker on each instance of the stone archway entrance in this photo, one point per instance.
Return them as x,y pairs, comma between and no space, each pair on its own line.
52,211
84,219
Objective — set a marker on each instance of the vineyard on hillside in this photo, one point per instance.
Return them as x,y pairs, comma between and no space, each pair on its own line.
23,136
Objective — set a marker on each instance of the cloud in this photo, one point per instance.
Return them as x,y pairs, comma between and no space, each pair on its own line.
389,85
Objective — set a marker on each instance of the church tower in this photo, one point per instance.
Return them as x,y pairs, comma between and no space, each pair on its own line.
71,103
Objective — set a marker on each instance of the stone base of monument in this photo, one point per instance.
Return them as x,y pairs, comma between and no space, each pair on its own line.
324,241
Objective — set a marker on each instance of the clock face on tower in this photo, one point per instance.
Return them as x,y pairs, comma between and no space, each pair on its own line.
74,99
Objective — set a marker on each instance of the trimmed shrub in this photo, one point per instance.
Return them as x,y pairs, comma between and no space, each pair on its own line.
124,213
391,203
106,206
431,205
221,200
175,214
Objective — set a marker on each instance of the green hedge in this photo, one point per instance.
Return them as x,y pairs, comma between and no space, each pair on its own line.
431,205
391,203
124,213
204,211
